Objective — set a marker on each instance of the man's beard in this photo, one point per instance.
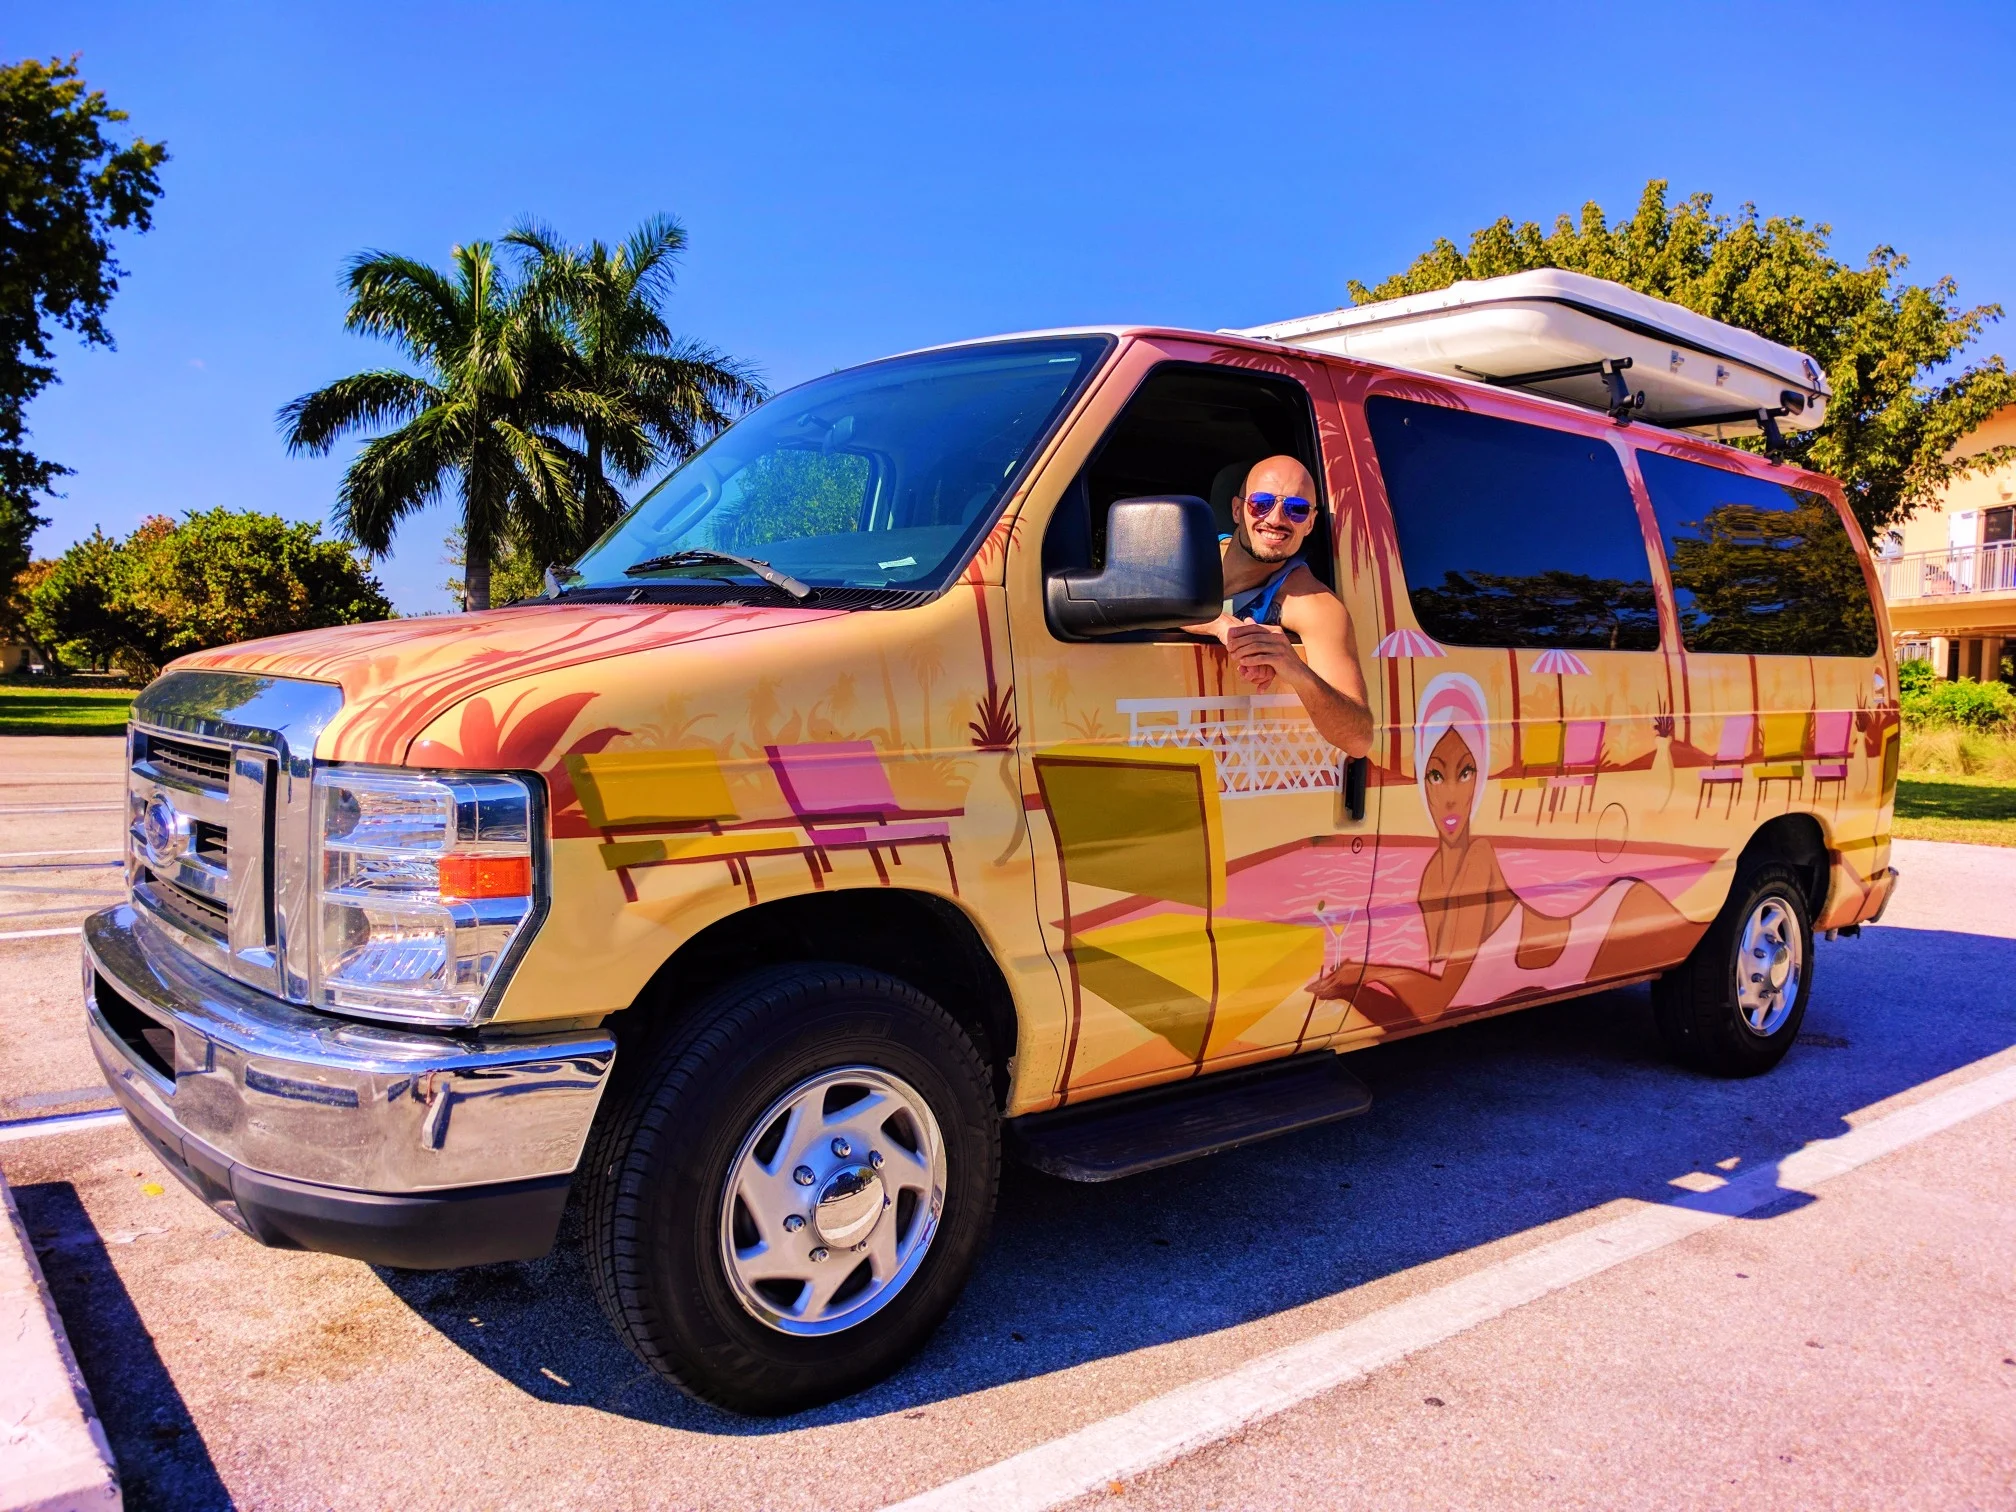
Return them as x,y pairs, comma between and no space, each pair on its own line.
1253,548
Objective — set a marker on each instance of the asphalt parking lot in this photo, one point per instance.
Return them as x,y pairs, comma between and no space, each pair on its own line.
1846,1344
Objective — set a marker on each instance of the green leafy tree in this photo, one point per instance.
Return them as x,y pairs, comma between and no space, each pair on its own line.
224,575
1773,582
218,577
644,397
786,495
485,409
64,188
1539,609
515,571
1889,347
73,613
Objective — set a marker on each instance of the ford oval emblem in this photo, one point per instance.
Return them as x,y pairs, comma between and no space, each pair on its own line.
163,832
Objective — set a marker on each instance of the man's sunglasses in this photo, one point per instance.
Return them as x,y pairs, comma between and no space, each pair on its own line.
1261,505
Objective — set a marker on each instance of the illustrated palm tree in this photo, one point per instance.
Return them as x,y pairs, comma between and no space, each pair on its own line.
641,397
486,405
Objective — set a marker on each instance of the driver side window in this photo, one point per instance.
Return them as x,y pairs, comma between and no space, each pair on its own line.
1191,428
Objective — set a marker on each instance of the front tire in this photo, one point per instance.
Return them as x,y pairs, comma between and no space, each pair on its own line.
1734,1006
789,1196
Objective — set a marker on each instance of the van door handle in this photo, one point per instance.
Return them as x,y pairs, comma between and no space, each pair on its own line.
1356,770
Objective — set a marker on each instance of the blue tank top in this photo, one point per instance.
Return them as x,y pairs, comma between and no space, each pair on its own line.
1261,603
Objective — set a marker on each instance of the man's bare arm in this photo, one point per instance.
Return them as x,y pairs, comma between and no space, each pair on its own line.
1329,682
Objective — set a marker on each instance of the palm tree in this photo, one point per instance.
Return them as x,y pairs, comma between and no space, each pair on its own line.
643,397
485,406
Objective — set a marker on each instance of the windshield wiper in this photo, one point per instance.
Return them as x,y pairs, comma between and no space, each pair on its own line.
695,555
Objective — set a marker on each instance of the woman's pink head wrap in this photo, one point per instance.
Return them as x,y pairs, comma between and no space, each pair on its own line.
1453,701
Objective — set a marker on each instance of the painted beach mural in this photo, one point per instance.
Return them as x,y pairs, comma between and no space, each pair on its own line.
1156,848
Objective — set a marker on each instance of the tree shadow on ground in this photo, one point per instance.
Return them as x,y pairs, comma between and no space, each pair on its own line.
1475,1134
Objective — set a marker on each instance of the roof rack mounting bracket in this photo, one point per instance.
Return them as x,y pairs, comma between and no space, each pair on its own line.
1774,439
1622,400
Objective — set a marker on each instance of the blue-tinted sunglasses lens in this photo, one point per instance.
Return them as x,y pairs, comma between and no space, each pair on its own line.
1261,505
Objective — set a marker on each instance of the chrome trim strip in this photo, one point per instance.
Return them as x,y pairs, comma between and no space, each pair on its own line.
299,1094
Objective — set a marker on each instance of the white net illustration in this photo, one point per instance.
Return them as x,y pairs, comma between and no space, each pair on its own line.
1264,741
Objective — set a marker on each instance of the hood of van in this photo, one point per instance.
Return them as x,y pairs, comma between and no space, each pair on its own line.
398,676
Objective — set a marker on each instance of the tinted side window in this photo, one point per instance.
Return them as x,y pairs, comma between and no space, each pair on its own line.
1512,534
1758,568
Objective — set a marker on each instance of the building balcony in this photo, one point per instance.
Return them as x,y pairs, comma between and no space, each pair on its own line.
1964,590
1943,574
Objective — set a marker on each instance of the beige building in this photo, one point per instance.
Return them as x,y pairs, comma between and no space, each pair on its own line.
1949,572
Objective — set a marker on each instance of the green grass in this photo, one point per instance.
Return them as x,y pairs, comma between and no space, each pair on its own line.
63,709
1971,810
1949,752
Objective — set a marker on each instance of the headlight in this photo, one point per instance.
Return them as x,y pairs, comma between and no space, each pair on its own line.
424,886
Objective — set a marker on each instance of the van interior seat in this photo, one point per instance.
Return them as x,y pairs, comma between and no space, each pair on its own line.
1230,479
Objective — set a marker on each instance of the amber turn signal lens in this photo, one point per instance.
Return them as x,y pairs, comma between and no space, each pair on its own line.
486,876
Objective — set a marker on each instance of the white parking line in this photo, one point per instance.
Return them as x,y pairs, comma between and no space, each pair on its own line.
61,808
90,850
41,934
1165,1428
59,1123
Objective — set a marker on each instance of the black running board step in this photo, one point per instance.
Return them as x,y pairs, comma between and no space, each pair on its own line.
1132,1132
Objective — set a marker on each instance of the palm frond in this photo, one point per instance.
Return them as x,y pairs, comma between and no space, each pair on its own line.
397,474
402,300
314,422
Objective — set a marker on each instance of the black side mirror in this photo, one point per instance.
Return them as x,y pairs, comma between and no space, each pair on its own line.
1163,571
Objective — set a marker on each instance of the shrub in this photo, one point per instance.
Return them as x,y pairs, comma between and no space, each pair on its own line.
1965,704
218,577
1915,676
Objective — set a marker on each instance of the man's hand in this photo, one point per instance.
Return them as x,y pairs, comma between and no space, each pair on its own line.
1264,654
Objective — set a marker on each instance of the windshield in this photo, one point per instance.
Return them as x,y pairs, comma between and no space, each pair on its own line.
877,477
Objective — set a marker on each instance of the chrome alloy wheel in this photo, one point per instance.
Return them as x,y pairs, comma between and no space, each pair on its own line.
832,1200
1769,963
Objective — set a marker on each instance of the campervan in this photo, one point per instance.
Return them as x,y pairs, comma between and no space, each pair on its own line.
860,812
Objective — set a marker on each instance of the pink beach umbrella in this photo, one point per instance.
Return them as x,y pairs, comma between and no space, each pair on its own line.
1559,664
1411,644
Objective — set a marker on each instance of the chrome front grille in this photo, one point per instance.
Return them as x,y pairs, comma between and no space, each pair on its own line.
194,912
218,842
183,760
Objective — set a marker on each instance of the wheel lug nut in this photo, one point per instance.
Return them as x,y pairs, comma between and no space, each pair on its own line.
842,1148
875,1159
803,1176
793,1224
818,1254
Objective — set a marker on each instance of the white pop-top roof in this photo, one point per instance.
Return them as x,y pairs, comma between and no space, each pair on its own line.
1694,372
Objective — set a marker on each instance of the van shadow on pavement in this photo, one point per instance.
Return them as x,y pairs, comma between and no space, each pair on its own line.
161,1457
1475,1134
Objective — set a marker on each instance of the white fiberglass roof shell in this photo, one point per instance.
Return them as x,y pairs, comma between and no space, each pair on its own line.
1695,373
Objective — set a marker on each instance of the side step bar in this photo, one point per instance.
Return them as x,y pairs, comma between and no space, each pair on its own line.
1132,1132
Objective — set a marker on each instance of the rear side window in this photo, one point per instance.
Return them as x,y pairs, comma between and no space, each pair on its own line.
1758,568
1513,534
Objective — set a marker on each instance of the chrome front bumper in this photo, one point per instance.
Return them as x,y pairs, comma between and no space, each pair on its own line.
301,1127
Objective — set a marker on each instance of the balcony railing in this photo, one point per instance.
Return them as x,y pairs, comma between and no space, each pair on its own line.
1940,574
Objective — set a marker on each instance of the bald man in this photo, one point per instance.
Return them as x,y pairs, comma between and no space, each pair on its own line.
1270,591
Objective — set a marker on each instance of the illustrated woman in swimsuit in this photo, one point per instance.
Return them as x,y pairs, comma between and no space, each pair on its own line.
1486,943
1271,591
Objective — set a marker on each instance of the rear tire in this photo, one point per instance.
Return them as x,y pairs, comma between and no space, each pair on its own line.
705,1286
1734,1006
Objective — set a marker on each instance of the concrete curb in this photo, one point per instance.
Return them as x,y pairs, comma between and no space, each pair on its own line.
53,1454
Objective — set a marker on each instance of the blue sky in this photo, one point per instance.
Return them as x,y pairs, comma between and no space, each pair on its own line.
858,180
